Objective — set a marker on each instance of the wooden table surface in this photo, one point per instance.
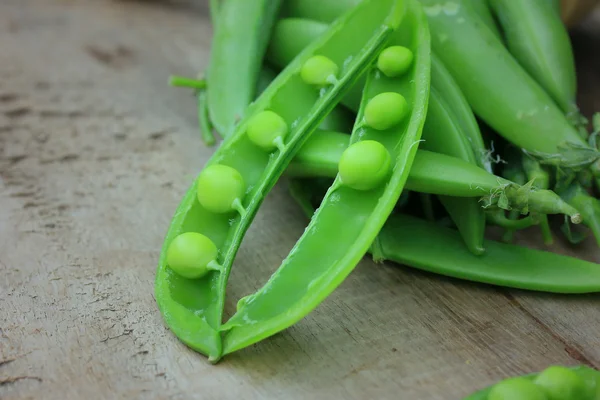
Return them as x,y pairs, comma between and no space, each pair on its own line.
96,152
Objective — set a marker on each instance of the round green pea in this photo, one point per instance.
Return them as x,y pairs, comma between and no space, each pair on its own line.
561,383
218,186
385,110
364,165
264,128
516,389
395,61
319,70
190,253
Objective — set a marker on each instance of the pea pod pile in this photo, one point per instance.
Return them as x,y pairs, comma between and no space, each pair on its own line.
372,111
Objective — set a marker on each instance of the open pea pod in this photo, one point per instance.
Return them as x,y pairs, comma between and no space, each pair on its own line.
450,127
554,383
499,90
427,246
211,220
386,134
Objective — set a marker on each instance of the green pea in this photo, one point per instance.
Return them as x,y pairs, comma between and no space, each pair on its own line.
319,70
516,389
220,189
192,255
561,383
267,130
364,165
395,61
385,110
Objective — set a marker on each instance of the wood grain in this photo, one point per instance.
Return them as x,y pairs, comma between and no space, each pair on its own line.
95,154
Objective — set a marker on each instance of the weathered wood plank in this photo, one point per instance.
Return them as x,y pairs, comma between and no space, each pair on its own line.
95,153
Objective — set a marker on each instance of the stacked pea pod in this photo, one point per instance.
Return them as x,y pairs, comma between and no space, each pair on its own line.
372,111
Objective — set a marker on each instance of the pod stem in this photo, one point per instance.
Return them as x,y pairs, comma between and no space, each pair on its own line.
278,142
206,129
546,231
528,198
498,218
214,265
182,81
237,205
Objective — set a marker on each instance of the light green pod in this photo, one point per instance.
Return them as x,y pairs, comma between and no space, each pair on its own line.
538,39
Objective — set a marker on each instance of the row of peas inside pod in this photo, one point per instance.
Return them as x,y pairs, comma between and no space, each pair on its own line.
397,141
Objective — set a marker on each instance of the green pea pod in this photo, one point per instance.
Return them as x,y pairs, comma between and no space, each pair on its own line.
482,9
537,37
241,31
589,207
338,119
555,382
220,205
444,84
437,174
316,265
291,35
440,134
500,91
541,178
427,246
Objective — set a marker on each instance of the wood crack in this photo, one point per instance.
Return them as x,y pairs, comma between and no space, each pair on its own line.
573,352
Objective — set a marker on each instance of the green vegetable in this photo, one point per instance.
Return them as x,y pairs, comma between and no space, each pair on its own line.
531,119
364,165
427,246
501,92
589,207
448,120
499,218
220,189
267,130
241,31
554,383
316,265
395,61
516,389
385,111
319,70
541,178
193,309
439,174
561,383
482,9
538,39
442,134
192,255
